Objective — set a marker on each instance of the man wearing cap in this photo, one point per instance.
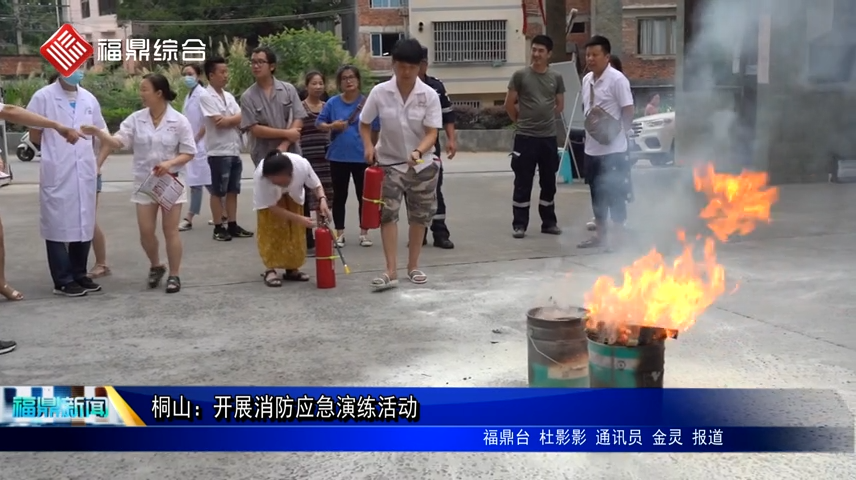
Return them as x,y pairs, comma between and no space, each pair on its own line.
439,230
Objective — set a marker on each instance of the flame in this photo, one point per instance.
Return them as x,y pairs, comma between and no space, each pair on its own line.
654,293
736,203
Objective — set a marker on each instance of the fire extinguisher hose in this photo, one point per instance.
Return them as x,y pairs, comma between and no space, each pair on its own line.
338,249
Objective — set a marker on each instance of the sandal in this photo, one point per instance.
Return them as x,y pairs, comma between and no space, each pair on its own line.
365,242
173,284
11,294
383,283
592,242
98,271
295,276
417,277
156,275
272,279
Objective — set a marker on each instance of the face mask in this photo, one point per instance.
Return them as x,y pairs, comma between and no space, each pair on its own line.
74,79
190,81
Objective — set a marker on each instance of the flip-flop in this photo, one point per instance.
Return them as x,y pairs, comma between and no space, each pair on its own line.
383,283
417,277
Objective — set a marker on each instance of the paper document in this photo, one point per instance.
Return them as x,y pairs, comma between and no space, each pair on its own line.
166,189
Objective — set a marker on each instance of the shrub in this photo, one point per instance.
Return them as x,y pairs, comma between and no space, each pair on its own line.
494,118
489,118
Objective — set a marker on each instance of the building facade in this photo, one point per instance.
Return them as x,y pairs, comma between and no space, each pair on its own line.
96,21
475,46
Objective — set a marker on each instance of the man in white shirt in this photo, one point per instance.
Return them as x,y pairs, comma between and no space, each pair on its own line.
410,117
279,185
223,142
608,106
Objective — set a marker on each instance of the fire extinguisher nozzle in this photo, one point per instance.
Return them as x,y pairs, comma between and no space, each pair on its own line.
347,270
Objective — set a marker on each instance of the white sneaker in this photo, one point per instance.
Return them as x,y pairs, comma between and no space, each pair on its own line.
340,242
365,242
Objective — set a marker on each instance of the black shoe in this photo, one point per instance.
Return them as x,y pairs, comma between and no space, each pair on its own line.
73,289
238,232
221,235
7,346
519,233
551,230
444,243
87,284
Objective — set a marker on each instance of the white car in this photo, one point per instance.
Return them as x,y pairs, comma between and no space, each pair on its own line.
653,139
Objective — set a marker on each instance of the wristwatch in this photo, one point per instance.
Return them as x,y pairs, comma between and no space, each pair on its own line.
322,198
419,152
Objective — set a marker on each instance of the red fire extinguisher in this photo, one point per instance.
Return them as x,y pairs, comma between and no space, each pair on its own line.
372,191
325,269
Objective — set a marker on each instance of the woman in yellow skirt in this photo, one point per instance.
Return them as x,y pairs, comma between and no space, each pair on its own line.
279,182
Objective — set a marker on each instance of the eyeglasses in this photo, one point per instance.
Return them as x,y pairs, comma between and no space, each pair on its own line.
257,63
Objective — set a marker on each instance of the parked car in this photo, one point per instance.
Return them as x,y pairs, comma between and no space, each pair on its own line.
653,139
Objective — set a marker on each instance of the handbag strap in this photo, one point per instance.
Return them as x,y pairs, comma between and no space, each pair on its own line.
357,110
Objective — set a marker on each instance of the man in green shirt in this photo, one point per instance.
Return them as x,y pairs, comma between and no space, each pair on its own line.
535,95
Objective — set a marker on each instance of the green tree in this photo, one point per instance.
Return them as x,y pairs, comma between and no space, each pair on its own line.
26,24
205,15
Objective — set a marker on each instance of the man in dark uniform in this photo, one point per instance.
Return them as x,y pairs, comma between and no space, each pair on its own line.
439,230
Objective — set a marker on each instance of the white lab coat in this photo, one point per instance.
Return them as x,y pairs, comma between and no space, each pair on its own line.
151,145
198,171
67,173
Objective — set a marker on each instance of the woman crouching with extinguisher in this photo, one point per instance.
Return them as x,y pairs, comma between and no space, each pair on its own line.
279,193
341,117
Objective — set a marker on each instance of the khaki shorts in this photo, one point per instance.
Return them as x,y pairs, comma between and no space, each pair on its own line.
419,191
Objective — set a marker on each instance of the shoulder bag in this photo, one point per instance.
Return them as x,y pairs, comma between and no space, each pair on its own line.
602,126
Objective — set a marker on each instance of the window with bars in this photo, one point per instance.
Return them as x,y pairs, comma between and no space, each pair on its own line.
466,103
658,36
473,41
388,3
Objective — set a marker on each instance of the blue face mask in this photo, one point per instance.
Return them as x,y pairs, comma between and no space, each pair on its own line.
190,81
74,79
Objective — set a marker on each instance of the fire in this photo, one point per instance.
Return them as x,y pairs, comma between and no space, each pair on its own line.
654,293
736,202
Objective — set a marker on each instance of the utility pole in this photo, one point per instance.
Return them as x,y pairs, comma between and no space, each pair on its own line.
556,28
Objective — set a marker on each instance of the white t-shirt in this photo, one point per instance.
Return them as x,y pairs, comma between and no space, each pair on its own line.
402,123
611,93
220,142
266,194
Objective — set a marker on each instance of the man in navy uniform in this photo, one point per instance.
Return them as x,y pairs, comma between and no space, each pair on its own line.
439,230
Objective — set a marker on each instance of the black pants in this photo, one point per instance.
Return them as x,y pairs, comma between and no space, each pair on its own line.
341,174
529,154
609,179
438,225
67,261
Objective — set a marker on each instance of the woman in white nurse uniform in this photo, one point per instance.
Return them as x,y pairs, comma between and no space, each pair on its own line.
162,140
67,183
198,171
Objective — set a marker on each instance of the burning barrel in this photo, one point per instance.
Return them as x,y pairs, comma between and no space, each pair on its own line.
633,358
558,356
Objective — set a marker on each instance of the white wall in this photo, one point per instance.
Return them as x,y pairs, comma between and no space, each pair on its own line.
472,79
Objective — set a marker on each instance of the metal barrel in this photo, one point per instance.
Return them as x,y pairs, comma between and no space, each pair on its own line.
613,366
558,357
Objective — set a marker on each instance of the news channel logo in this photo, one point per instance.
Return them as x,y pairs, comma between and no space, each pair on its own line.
58,406
67,50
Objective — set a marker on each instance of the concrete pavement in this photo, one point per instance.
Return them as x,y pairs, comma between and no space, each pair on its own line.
787,326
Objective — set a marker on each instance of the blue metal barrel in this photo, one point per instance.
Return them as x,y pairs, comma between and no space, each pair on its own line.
615,366
558,357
